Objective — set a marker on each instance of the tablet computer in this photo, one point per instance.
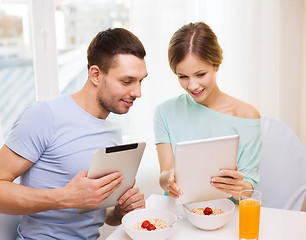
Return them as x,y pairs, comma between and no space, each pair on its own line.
124,158
197,161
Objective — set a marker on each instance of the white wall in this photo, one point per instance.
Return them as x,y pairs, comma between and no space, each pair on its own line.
303,82
290,68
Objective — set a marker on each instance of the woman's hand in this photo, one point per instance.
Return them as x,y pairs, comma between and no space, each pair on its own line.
230,181
167,175
172,188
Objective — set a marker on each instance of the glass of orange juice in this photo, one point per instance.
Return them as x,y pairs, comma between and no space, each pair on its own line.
249,214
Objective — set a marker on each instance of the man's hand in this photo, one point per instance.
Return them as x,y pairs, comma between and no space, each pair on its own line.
82,192
129,201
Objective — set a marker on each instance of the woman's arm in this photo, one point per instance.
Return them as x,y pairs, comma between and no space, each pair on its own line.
167,175
234,181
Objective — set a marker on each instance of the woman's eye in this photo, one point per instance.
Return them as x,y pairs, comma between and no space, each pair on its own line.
201,74
182,77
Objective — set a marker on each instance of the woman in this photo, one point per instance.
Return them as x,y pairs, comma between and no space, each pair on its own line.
204,112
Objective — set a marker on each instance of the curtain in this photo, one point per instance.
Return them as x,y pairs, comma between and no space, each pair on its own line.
264,55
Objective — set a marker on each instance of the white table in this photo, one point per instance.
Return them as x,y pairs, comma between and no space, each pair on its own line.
275,224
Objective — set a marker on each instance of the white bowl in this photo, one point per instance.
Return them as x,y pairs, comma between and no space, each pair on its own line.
210,222
145,214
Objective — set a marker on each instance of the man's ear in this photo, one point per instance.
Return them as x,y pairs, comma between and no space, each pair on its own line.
93,74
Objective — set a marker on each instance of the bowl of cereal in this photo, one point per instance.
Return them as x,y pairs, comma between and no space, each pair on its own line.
149,224
209,215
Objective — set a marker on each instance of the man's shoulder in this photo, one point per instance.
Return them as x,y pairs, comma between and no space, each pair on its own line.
59,101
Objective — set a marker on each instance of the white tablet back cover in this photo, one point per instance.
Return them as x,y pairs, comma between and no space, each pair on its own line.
123,158
197,161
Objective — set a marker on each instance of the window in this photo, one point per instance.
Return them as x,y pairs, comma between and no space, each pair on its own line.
17,89
77,22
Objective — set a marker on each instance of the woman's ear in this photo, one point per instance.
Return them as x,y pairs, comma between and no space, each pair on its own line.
217,67
93,74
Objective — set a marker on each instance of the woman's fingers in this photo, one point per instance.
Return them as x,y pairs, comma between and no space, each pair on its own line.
172,192
230,181
172,188
227,180
231,173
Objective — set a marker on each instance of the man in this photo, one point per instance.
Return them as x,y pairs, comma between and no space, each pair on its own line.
52,143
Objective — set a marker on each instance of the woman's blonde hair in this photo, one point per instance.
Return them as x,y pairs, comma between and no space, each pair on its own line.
198,39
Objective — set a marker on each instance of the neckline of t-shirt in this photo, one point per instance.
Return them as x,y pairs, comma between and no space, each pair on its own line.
221,115
78,107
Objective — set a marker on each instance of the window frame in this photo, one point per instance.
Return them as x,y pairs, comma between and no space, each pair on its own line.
42,23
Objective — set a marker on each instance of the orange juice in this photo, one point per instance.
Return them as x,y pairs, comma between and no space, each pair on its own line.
249,212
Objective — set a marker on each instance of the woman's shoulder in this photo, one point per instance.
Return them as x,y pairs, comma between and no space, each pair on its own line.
245,110
174,101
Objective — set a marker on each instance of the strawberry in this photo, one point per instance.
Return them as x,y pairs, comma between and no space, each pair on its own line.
145,224
208,211
151,227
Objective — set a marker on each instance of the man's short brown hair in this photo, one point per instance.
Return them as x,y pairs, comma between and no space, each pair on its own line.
107,44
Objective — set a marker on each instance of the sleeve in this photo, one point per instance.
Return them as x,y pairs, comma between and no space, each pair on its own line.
31,133
250,156
161,130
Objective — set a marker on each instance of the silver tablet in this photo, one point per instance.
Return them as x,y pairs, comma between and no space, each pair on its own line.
197,161
124,158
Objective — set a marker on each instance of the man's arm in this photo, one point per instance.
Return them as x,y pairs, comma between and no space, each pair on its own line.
80,192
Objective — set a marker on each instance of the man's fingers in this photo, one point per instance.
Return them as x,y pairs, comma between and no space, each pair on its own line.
133,202
127,195
81,174
134,183
107,190
103,192
113,185
105,180
134,205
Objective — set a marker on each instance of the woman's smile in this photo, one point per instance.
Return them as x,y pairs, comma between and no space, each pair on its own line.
197,93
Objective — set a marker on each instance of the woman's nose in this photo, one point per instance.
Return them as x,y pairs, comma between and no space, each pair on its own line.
193,84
